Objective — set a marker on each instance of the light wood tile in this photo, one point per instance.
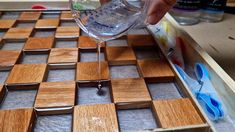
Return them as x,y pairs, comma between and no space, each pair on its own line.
29,16
6,24
55,95
17,120
47,23
27,73
95,118
39,43
66,15
63,55
18,33
8,58
140,40
86,42
88,71
67,32
176,113
129,90
156,70
120,55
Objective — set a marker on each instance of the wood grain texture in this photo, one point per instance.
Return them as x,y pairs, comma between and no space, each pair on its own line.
86,42
95,118
176,113
67,32
156,70
39,43
140,40
129,90
63,55
29,16
18,33
17,120
55,95
88,71
66,15
6,24
27,73
47,23
120,55
8,58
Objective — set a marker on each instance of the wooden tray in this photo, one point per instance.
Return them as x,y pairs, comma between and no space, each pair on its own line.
48,77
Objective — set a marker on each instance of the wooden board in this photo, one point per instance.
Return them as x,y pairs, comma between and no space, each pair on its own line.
18,33
120,55
39,43
156,70
176,112
18,120
6,24
26,74
95,118
129,90
29,16
66,15
55,95
88,71
67,32
88,43
140,40
63,55
8,59
47,23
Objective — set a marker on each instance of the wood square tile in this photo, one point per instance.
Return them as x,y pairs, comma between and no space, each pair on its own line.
88,71
18,33
95,118
39,43
47,23
29,16
8,58
86,42
27,73
55,95
176,113
140,40
120,55
67,32
63,55
2,92
16,120
129,90
66,15
156,70
5,24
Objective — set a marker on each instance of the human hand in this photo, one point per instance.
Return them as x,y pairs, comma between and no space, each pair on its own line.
157,9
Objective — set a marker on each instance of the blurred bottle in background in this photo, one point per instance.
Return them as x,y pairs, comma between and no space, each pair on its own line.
187,12
212,10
